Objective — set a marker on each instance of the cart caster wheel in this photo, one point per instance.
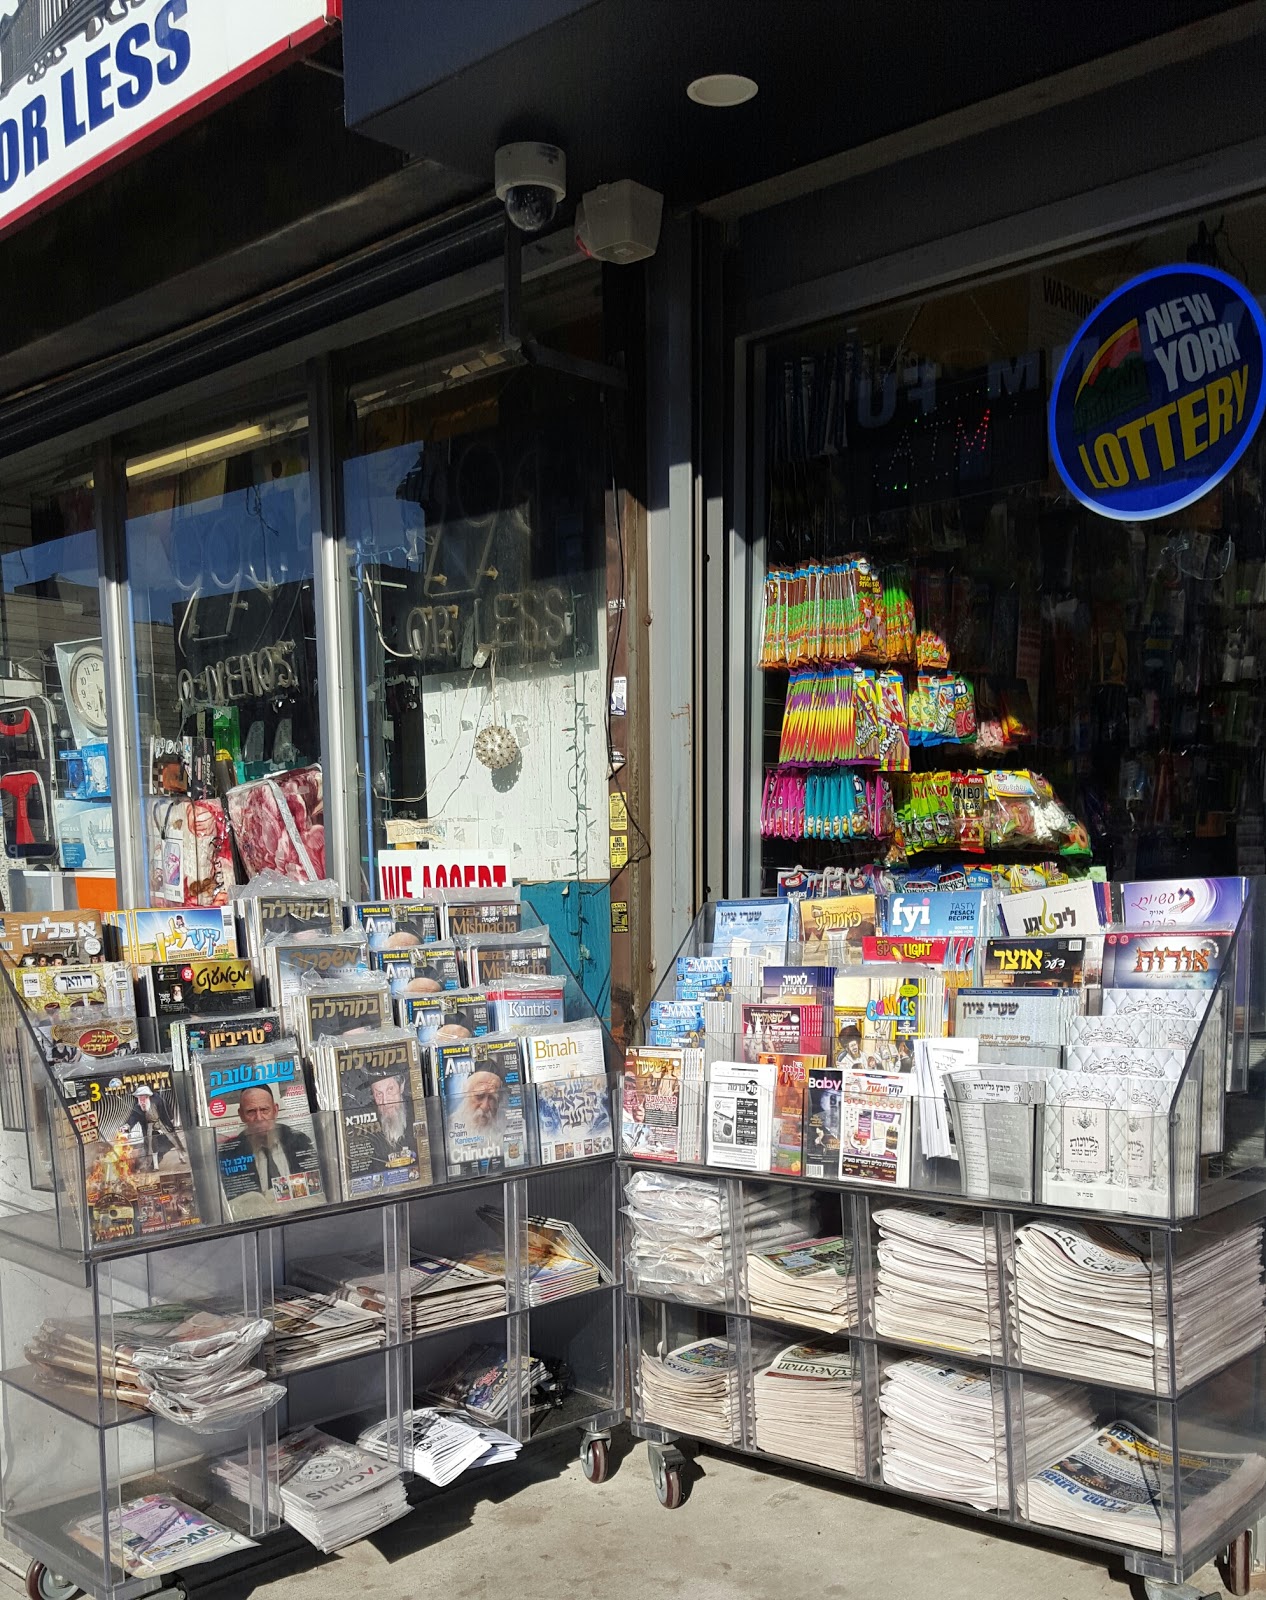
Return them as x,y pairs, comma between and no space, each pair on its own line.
1238,1576
41,1584
668,1488
593,1460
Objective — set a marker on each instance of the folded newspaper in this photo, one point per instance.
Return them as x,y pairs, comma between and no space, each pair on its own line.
693,1389
809,1281
1089,1302
186,1363
311,1329
438,1445
1120,1484
332,1492
944,1429
808,1405
678,1236
933,1285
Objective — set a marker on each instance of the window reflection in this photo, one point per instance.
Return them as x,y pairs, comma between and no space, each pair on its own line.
475,519
219,545
58,833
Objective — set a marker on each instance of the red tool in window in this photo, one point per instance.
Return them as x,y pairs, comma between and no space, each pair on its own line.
19,786
20,722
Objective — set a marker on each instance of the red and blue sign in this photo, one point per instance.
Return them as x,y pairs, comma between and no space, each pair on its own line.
1160,392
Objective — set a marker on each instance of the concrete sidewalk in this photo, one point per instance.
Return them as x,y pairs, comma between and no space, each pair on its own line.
538,1531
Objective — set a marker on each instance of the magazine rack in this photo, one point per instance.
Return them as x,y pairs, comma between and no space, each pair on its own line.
1210,1400
72,1452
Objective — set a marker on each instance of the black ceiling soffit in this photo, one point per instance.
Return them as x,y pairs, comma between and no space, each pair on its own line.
606,79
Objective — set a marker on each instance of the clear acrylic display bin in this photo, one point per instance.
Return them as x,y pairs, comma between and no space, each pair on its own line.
75,1449
1155,1151
1195,1387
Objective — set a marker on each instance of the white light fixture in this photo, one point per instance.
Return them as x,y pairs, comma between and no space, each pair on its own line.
722,89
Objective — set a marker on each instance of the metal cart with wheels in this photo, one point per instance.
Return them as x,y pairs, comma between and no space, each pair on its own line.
684,1288
75,1452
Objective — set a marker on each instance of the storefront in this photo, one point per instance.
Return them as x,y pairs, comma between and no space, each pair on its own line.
882,332
362,522
319,493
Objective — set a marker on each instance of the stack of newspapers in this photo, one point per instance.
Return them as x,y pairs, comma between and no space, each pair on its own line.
678,1236
810,1282
438,1445
808,1403
445,1293
1119,1484
332,1492
1089,1303
560,1261
933,1284
556,1256
487,1381
437,1292
944,1429
311,1329
693,1390
183,1362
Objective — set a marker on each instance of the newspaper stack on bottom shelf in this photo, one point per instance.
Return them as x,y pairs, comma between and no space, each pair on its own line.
944,1433
438,1445
1087,1303
1118,1483
932,1286
182,1362
678,1236
811,1282
693,1390
332,1493
155,1534
808,1403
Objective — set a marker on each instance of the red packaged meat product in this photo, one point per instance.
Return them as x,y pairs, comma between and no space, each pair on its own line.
279,824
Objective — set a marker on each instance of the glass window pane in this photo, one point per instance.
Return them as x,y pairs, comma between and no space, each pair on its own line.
219,548
1026,641
474,507
54,764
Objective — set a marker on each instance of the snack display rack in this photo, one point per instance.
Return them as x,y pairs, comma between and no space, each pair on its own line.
72,1450
1190,1407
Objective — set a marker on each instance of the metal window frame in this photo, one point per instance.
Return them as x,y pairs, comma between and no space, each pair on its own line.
1043,235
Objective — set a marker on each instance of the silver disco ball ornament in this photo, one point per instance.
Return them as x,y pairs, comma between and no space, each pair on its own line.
496,747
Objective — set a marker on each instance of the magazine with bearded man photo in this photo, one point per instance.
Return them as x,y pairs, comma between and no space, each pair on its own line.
481,1090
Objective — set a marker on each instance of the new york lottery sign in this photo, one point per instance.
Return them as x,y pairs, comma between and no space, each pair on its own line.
1160,392
86,83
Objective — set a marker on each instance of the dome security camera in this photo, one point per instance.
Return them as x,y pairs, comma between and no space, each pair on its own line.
531,179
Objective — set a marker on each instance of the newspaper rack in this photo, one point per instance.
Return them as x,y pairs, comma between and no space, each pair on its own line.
75,1450
1192,1397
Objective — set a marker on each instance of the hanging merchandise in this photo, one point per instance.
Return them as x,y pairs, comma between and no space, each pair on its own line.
825,805
279,823
975,811
942,710
849,714
495,745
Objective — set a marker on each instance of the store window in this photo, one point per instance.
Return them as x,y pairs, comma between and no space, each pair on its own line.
219,552
474,509
58,833
957,660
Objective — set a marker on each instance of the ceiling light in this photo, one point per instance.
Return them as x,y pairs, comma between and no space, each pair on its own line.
722,89
220,444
